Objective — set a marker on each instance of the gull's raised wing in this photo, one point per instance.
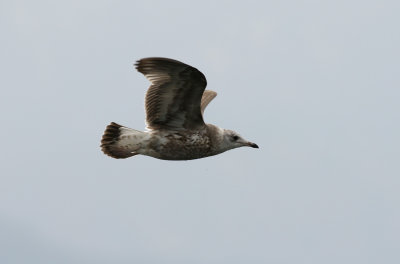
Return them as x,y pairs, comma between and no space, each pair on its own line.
174,97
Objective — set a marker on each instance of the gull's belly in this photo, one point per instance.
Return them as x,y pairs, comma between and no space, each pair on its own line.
181,146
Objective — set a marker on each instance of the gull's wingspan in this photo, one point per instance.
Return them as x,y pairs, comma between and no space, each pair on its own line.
173,99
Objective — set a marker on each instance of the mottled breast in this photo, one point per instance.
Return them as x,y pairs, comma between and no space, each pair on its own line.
182,145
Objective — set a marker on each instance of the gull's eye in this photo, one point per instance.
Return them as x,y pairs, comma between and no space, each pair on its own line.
235,138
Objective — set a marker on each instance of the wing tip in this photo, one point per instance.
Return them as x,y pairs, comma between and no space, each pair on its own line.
145,65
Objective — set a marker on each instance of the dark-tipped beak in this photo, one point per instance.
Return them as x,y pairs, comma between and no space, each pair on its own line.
253,145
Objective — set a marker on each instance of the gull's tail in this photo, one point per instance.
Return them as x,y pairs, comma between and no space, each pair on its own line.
121,142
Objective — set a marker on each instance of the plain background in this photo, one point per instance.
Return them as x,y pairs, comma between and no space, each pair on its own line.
314,83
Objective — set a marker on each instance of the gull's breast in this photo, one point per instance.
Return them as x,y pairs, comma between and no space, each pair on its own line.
183,145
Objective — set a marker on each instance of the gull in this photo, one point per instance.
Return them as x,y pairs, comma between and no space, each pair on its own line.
175,103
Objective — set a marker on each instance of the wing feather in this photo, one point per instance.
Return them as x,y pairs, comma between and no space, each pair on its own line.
174,97
207,97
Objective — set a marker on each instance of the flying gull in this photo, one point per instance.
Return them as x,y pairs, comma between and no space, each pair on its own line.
175,103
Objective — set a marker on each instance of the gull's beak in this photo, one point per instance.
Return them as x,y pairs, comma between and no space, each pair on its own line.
251,144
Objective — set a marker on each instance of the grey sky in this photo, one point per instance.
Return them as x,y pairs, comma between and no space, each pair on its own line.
314,83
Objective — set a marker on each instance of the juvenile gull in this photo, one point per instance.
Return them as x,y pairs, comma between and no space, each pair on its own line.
175,103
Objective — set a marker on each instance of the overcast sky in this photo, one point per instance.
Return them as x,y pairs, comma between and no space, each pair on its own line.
316,84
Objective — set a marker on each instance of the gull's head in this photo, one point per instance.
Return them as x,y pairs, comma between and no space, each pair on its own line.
232,140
